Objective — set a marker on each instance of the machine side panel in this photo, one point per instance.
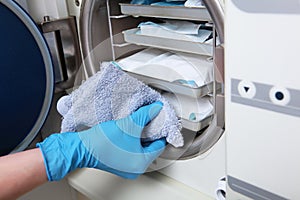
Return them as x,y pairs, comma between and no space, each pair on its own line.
262,90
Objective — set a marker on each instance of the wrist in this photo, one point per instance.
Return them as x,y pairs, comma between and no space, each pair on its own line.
61,155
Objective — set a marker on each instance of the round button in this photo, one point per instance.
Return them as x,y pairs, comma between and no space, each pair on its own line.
247,89
280,96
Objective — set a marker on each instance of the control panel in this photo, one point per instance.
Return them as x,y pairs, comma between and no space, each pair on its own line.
265,96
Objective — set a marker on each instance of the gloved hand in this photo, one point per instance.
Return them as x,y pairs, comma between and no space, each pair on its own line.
113,146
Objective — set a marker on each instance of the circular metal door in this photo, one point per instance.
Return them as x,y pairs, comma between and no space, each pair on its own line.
26,82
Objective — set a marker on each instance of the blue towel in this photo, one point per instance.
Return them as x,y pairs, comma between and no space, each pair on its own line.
112,94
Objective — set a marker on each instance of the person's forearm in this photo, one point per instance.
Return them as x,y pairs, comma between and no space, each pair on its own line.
20,173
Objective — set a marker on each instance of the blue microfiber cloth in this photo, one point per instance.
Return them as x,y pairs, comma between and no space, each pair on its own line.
112,94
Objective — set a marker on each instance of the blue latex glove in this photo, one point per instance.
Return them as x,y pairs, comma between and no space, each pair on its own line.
113,146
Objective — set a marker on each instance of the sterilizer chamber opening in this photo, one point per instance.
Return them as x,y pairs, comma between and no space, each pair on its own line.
107,32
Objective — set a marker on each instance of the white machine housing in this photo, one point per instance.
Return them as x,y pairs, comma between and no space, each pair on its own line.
258,152
262,99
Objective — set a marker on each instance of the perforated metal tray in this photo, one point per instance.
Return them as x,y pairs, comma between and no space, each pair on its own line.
171,12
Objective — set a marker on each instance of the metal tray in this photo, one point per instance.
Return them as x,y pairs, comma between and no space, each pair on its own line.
173,87
132,36
196,126
180,89
171,12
